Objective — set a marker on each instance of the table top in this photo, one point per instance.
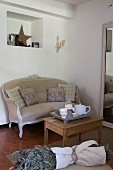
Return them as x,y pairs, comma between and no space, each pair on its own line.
73,123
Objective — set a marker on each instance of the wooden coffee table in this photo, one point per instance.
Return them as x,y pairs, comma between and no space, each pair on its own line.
72,127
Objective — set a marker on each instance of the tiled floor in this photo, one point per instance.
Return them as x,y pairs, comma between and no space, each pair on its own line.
10,142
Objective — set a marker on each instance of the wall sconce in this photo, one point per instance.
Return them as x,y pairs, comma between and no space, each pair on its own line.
59,44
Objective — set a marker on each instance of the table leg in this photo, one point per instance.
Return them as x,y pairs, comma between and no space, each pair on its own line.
65,138
79,137
45,136
100,134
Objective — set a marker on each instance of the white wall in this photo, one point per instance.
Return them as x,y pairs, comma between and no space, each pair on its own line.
16,62
44,6
86,49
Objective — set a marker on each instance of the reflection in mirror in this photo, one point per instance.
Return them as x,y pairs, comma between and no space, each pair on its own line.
108,86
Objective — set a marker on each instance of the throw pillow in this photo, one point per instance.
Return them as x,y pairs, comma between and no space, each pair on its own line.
15,95
28,96
56,94
69,91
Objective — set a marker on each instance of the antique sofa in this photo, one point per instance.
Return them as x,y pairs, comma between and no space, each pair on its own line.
23,112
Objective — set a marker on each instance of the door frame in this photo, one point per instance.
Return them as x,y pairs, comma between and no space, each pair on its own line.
104,27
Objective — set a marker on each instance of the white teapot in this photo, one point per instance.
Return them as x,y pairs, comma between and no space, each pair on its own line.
82,109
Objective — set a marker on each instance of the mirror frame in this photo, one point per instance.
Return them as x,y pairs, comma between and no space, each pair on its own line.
104,27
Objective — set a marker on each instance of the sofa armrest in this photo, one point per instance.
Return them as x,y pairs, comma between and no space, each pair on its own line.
14,111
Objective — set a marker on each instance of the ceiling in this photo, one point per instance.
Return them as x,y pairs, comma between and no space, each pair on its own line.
21,17
73,2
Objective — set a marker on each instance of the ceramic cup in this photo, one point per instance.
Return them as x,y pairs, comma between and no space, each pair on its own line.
63,112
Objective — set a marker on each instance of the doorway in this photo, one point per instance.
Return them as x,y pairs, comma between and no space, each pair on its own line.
107,75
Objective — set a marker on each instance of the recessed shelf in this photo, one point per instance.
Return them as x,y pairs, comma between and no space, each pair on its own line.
32,26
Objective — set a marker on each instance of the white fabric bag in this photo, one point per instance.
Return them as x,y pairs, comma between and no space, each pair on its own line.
80,154
89,156
63,156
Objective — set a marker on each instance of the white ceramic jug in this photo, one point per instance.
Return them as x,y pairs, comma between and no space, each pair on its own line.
82,109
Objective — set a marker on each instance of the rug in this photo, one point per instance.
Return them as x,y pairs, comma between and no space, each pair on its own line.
38,157
107,138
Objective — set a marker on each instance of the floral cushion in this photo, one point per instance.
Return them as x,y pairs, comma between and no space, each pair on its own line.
56,94
29,96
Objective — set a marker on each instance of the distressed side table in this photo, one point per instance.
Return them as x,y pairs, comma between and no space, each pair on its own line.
72,128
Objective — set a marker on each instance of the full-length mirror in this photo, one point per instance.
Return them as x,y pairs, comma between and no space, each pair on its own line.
107,74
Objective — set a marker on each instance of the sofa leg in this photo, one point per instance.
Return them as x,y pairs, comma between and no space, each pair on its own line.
20,125
10,125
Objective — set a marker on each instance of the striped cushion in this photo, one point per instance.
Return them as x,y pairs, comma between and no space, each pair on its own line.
15,95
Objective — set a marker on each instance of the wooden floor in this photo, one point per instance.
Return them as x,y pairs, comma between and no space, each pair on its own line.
33,135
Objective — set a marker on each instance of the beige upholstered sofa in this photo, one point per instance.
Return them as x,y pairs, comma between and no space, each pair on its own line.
33,113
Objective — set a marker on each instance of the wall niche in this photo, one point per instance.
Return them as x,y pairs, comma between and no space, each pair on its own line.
19,24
